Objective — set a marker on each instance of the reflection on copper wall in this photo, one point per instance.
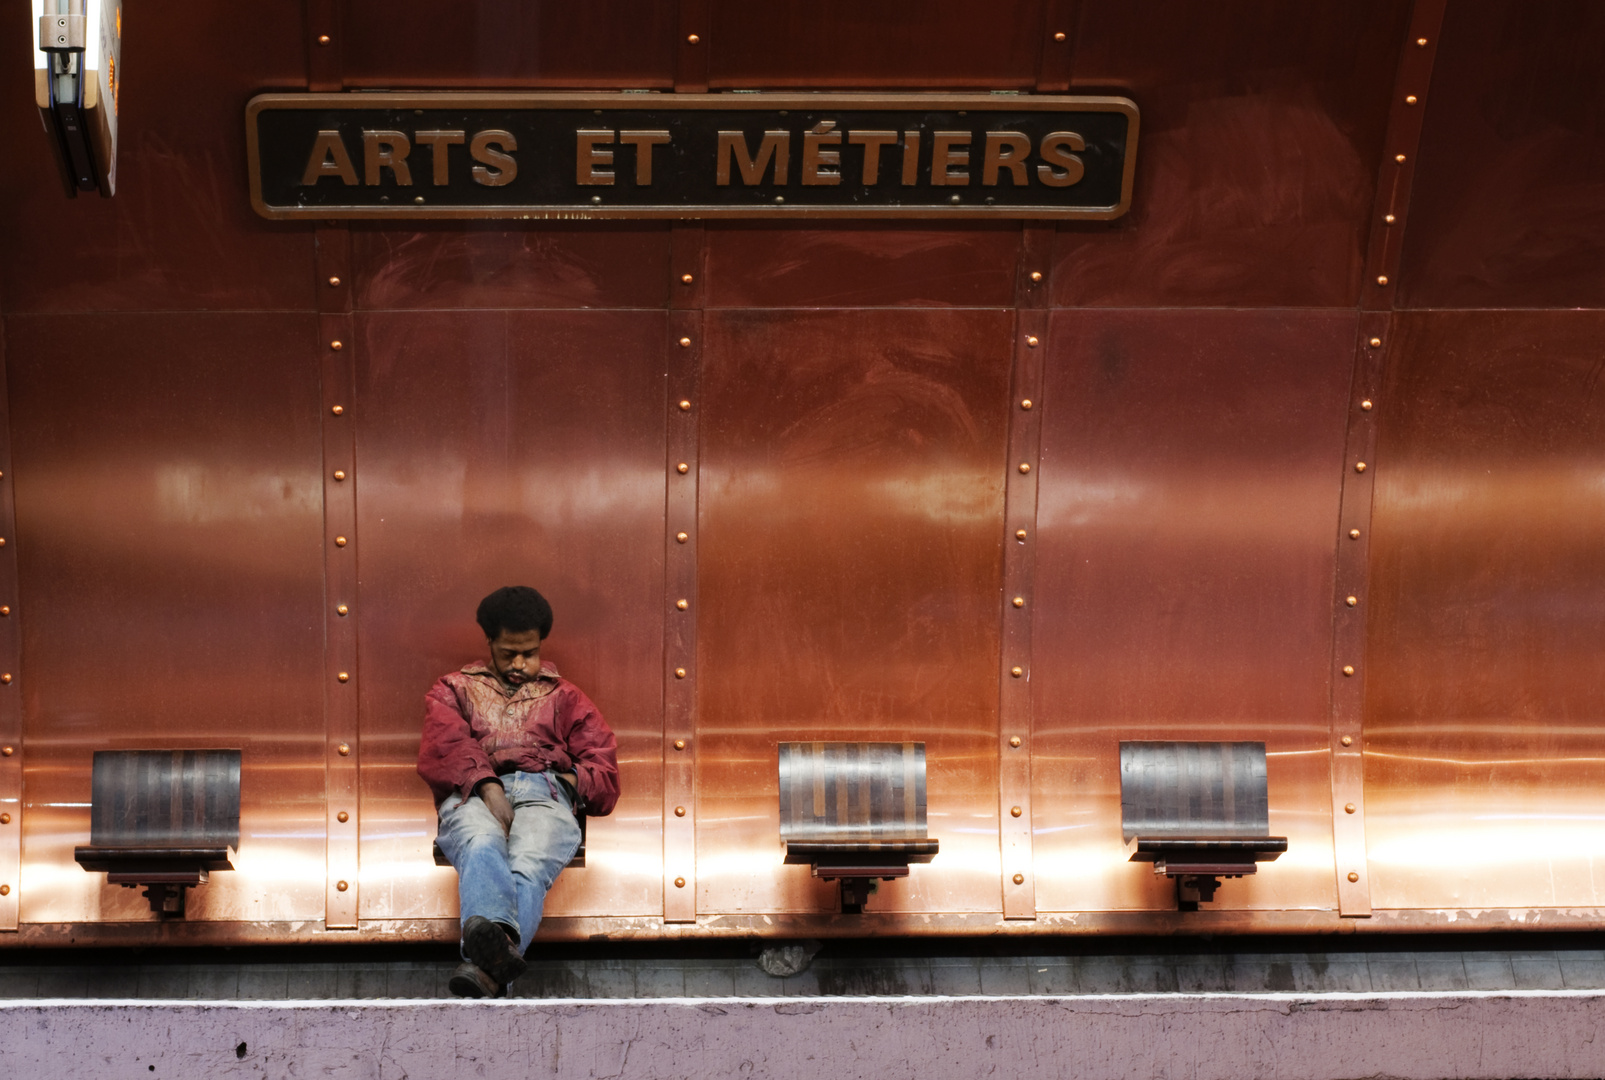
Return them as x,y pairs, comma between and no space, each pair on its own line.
1190,468
1201,373
851,514
169,559
1507,214
498,448
1483,742
1262,131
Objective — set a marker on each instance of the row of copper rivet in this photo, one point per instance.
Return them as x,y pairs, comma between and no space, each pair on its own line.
683,468
1354,534
1388,219
696,39
342,610
8,750
1399,159
1020,537
1366,405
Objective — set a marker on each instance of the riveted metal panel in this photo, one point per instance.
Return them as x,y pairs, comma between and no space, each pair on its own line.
1482,734
168,500
851,510
1189,481
500,448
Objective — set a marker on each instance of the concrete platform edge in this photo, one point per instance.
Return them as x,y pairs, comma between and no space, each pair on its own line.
1331,1036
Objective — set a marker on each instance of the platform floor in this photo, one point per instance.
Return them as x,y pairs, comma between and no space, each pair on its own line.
842,968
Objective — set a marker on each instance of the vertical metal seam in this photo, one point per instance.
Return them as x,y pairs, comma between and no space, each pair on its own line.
324,30
337,384
683,407
692,66
332,300
1378,290
1400,147
1350,603
11,776
1060,20
1017,607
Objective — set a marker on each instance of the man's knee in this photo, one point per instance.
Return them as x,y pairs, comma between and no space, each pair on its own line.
551,841
468,844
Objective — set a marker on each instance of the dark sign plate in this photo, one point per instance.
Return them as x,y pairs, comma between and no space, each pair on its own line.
623,155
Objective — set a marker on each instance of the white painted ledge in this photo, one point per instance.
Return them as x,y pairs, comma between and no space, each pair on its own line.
1414,1035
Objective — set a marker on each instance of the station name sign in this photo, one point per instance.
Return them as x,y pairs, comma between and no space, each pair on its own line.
730,155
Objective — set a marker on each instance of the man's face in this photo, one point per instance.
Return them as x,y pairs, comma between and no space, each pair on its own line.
516,658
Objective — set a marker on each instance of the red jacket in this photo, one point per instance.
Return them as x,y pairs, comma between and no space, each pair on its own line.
475,728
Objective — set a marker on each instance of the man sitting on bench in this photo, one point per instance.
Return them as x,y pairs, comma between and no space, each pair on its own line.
512,751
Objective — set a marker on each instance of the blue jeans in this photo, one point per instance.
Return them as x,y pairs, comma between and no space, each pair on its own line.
505,877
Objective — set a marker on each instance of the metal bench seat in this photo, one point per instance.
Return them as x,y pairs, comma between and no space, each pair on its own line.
162,819
855,812
1198,812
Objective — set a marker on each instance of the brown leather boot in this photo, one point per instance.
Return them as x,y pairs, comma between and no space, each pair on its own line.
470,982
488,945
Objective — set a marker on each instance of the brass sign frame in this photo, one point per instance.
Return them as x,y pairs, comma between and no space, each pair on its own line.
721,102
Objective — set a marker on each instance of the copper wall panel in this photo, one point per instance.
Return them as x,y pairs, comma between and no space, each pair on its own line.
169,514
929,45
1189,486
1508,197
864,266
598,44
848,567
1483,742
179,235
851,518
1262,130
499,448
479,266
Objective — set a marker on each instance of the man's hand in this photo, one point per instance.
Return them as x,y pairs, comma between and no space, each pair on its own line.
495,799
